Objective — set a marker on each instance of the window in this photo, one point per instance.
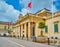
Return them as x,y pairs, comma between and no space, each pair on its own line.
46,29
5,27
55,27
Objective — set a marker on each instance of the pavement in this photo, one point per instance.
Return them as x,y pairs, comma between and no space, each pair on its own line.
14,42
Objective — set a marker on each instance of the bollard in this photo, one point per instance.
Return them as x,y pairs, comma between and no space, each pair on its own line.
48,41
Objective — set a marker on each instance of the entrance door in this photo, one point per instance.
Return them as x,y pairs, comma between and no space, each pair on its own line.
33,31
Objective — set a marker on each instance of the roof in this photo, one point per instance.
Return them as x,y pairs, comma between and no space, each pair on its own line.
5,23
42,10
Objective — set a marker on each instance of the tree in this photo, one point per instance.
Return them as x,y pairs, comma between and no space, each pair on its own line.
41,26
9,30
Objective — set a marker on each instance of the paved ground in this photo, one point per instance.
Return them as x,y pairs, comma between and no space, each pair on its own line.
13,42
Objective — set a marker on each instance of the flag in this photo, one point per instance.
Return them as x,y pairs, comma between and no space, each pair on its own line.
30,5
9,24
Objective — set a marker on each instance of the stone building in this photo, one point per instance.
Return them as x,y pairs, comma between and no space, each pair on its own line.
4,27
27,26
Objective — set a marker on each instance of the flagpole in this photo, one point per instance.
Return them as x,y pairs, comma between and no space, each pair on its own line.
53,22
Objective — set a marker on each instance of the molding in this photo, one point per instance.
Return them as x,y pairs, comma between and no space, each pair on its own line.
56,22
53,17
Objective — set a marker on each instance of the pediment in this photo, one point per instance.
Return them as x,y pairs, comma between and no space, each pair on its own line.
44,12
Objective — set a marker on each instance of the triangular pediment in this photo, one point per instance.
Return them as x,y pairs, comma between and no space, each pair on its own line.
44,12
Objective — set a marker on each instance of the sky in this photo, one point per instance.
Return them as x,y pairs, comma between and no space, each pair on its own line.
10,9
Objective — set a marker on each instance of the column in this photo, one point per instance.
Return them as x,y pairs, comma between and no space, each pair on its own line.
29,30
16,31
20,30
25,30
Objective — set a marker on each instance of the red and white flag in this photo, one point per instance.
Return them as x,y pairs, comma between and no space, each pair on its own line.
30,5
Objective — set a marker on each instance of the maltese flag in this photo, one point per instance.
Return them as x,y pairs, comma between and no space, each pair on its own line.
30,5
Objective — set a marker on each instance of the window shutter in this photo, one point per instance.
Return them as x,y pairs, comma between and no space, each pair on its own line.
55,27
46,29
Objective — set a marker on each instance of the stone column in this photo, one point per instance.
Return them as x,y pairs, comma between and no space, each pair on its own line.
16,32
25,30
20,30
29,30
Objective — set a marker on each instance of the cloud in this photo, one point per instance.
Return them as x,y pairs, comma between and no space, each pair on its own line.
7,12
25,11
38,5
54,9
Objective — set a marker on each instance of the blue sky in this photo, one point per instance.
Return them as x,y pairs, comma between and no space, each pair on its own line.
56,3
10,9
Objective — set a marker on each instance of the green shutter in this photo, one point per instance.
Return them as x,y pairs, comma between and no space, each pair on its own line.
46,29
5,27
55,27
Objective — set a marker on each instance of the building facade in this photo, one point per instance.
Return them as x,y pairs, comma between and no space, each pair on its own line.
27,26
4,27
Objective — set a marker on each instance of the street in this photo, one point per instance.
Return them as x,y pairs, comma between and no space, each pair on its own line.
14,42
5,43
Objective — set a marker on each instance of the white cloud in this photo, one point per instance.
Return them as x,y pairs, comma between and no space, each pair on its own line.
7,12
25,11
54,8
38,5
